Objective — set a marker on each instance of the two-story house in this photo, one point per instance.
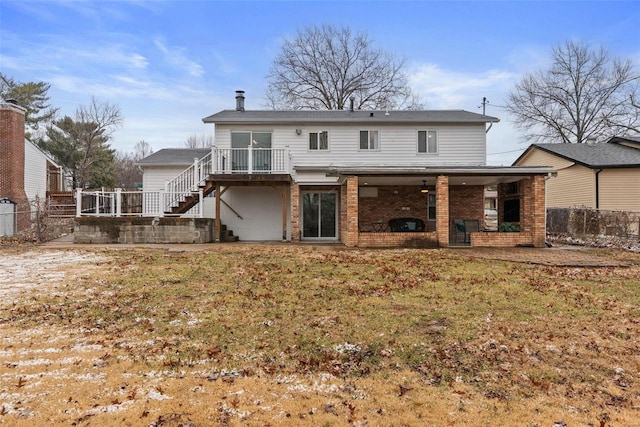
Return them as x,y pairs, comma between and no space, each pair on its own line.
363,178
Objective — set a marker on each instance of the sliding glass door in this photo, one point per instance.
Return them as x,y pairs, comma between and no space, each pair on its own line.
319,215
260,143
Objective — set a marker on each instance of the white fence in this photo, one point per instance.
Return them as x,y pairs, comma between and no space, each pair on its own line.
120,203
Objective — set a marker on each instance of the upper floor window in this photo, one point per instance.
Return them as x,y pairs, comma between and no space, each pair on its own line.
319,140
369,140
427,141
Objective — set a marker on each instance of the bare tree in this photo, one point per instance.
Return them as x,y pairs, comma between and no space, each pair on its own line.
128,173
585,94
199,141
142,150
323,67
80,144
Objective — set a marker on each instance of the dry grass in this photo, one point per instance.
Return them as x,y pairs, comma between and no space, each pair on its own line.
264,335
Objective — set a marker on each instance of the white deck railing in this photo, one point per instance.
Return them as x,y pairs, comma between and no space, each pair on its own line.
250,160
120,203
158,203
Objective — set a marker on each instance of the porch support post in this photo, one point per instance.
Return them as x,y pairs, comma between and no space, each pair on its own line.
218,227
78,201
118,202
284,212
442,211
295,212
196,174
533,209
352,237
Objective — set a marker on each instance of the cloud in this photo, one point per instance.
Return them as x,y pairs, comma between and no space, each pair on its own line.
448,89
177,58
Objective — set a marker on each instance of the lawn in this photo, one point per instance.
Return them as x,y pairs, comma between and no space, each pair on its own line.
268,335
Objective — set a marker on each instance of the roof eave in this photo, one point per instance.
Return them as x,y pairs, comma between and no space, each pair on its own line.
430,170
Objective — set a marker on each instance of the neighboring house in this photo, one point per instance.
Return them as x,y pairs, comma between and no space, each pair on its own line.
363,178
594,175
26,173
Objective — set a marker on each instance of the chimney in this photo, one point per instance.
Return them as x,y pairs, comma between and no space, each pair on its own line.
239,100
12,158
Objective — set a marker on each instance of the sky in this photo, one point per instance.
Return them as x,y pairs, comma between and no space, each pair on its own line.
168,64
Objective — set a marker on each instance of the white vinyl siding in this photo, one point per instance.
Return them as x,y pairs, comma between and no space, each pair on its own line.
260,208
458,145
154,177
35,168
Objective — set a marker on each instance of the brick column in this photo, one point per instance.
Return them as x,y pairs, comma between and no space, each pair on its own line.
538,215
295,212
351,237
442,210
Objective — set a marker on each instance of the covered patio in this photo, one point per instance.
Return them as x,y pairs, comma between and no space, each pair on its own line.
439,207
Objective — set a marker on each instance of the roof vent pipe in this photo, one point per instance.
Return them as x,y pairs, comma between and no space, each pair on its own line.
591,140
352,101
239,100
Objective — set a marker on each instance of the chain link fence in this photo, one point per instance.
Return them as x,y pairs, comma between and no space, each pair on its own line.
45,221
597,227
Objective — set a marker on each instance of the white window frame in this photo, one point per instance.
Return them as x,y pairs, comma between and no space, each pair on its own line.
427,132
369,131
319,148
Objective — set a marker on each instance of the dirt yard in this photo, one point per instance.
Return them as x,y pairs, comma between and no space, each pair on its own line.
147,336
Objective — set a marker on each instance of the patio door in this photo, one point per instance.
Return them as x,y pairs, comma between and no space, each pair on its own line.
319,215
260,143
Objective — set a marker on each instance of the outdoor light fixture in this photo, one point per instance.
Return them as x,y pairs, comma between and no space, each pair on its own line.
298,131
424,188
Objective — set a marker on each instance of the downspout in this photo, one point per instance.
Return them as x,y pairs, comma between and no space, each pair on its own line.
598,188
489,128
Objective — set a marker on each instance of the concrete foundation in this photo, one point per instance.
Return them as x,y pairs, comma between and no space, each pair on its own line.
143,230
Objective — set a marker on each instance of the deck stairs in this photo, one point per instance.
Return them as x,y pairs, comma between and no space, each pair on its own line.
188,186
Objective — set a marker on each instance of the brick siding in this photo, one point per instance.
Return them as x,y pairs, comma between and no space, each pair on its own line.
350,238
395,240
467,202
295,212
442,210
393,202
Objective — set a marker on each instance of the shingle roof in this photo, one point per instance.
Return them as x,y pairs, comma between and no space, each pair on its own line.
174,156
633,139
602,155
346,116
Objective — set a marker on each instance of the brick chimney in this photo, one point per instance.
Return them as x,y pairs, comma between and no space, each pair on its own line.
12,159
